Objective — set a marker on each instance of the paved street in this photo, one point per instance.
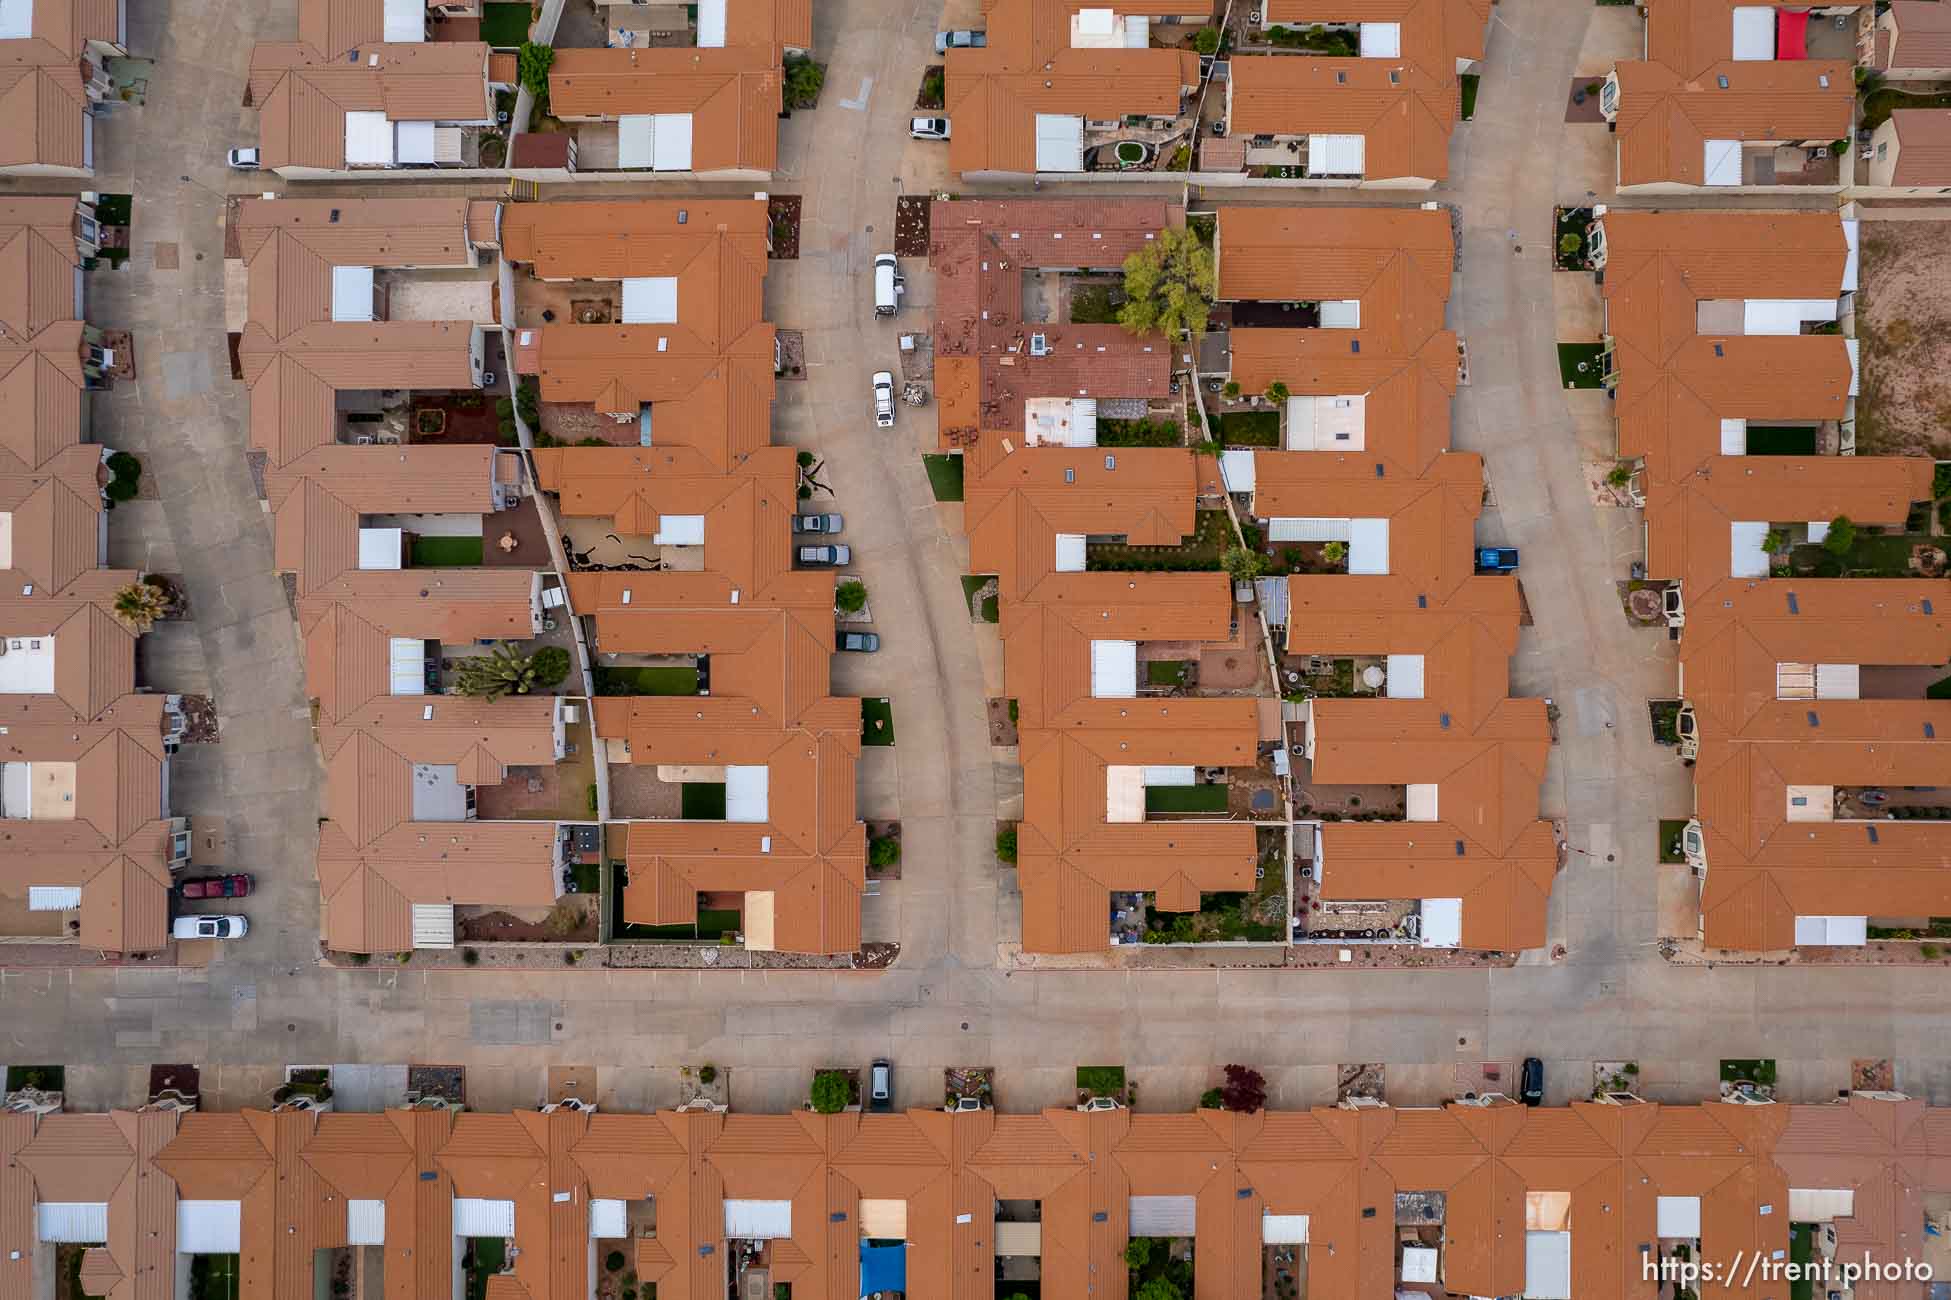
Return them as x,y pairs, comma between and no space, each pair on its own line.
949,1001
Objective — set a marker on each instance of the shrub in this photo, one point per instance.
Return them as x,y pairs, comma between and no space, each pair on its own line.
1928,951
614,1261
805,458
532,63
1206,40
1245,1090
1211,1099
804,78
571,957
550,665
1569,243
707,1073
138,606
528,400
883,852
1006,845
1334,552
1277,392
592,798
1842,536
1232,390
359,958
933,83
1138,1252
122,465
471,956
850,597
1243,565
830,1092
121,489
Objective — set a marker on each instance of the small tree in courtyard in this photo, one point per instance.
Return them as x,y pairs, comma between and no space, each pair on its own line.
502,671
850,597
1168,286
138,606
1245,1090
532,64
1243,565
830,1092
1842,536
1277,392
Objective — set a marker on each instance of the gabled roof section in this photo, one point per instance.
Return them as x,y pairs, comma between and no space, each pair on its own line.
731,96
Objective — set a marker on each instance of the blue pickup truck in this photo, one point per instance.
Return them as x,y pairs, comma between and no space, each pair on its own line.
1496,559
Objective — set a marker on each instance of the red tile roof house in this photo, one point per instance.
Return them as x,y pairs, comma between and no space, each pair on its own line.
53,72
1735,95
1482,1198
1909,156
1365,461
336,323
1786,676
84,759
1909,40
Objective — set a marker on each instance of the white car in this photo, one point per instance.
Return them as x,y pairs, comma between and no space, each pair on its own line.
884,399
929,128
245,160
209,927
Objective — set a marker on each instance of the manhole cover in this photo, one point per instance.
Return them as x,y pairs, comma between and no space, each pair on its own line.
1644,603
1263,801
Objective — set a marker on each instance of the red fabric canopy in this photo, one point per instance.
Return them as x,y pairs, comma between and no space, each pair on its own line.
1791,34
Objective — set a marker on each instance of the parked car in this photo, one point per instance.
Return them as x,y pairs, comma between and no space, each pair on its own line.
236,885
209,927
824,557
865,643
884,399
880,1087
929,128
888,284
1496,559
818,523
960,40
1531,1082
245,160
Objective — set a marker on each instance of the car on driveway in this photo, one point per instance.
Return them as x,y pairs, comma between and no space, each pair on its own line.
880,1087
208,927
929,128
1531,1082
960,40
818,523
237,885
884,399
865,643
824,557
245,160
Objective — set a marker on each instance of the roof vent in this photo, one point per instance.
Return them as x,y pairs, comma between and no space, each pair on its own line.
1100,1217
1930,732
334,218
1872,831
683,215
1459,848
1110,462
1354,345
1444,721
352,56
1422,601
838,1216
1793,606
1039,345
1380,470
1721,81
429,1176
1244,1194
1368,1211
1822,79
1070,475
1395,76
1927,605
1341,78
705,1251
1814,721
1719,351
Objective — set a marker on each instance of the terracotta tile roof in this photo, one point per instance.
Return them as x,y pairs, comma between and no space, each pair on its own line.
1673,389
1921,35
1690,90
993,95
732,95
43,102
1923,146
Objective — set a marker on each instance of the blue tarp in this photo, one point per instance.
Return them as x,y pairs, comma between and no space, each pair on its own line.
883,1268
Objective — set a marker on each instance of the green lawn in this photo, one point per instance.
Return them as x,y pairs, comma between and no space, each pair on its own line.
1760,1070
1470,80
588,877
446,552
504,25
1250,429
1782,440
1095,304
1101,1080
944,476
490,1254
114,209
646,681
1185,798
1139,433
1198,554
1878,105
971,584
1569,357
711,922
992,608
214,1277
1873,556
703,801
1801,1250
1165,672
876,721
1670,828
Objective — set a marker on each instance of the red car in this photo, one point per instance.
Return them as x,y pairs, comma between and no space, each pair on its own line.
236,886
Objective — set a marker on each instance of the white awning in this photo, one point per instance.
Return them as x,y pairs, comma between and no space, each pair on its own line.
16,20
414,143
78,1222
1744,549
747,791
409,666
1820,1204
758,1220
368,140
1368,546
475,1217
53,898
1171,776
1124,794
1818,529
365,1223
1405,679
1734,437
1059,142
209,1227
650,300
1838,682
447,145
1784,315
1341,313
381,548
1677,1216
352,293
1419,1263
1114,670
883,1218
1442,922
1299,529
1283,1229
1720,162
1754,34
1381,40
1855,367
1236,470
1083,421
1335,155
679,530
1849,263
635,143
608,1218
1420,801
406,20
672,148
1832,931
1548,1266
433,925
1327,423
1070,552
1809,803
1019,1240
711,24
1163,1216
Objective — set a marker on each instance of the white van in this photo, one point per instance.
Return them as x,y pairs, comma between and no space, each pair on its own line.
888,285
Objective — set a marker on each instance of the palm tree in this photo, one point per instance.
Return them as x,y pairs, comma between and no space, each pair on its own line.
497,673
138,606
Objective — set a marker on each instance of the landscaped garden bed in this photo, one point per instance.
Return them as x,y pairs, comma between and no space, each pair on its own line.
1571,250
1580,365
646,681
933,82
1249,428
1671,849
1200,553
1139,433
876,721
782,215
446,552
944,476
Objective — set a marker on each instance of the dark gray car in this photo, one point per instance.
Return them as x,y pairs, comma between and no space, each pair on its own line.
823,524
865,643
962,40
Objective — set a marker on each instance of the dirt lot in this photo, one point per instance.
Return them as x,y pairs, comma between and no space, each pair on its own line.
1903,317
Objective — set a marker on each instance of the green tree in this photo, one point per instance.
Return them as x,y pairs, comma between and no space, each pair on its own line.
1168,286
551,664
1842,536
502,671
884,851
1620,475
1773,540
1211,1099
1334,552
1206,40
830,1092
1569,243
532,64
1006,845
1243,565
1232,390
138,606
804,78
850,597
1158,1288
1138,1253
1277,392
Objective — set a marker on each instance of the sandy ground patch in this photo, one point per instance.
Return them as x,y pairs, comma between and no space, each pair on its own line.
1903,317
